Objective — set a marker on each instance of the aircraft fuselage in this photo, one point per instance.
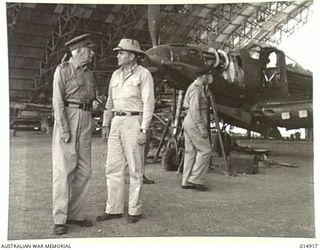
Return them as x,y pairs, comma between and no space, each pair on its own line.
248,84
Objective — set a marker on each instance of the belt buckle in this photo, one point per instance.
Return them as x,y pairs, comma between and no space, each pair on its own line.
128,113
86,106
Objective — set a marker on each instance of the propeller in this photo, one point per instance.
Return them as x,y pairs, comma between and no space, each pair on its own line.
154,19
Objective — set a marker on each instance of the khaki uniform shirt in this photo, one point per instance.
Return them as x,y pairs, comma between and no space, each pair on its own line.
196,104
131,93
71,83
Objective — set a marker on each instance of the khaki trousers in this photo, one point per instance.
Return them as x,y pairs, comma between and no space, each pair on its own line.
71,167
197,154
123,149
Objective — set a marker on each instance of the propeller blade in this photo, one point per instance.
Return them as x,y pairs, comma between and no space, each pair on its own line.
154,23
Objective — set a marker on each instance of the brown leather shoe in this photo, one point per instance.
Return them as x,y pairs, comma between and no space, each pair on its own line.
81,223
107,216
59,229
133,218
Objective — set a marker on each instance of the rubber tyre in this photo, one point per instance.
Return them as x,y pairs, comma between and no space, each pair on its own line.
169,161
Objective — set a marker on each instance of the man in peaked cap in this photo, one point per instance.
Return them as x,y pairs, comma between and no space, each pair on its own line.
197,144
73,94
128,114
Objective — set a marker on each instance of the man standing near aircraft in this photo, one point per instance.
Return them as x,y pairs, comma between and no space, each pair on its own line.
130,107
197,144
73,94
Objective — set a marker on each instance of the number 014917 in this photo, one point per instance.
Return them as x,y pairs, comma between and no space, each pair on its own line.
309,246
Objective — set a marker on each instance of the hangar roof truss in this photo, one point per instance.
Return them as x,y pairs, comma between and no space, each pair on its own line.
37,32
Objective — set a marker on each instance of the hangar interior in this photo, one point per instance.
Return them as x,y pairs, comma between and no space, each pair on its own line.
37,33
276,203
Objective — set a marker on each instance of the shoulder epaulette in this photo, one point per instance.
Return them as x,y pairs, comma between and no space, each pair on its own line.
64,64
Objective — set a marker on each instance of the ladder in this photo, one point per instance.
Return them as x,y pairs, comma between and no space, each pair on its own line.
217,122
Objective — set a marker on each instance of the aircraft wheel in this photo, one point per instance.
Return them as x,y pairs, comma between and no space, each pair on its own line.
169,160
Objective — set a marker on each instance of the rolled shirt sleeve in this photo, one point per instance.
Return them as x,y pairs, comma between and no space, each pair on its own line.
58,101
194,109
147,95
107,114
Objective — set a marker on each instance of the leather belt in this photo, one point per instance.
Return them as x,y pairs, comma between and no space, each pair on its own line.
87,106
126,113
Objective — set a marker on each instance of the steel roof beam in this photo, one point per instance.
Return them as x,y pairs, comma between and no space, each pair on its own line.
112,32
293,21
222,17
223,24
115,31
264,14
66,25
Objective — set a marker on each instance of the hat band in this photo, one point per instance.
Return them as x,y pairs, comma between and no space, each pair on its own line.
128,49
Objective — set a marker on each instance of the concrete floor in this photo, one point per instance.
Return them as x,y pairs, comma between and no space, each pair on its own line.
276,202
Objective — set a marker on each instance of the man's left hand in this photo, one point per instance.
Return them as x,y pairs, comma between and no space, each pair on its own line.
95,105
142,138
99,103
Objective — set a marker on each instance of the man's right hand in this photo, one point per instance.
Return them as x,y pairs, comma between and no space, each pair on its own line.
66,136
105,133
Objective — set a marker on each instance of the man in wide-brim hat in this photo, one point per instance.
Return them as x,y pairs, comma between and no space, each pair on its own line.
128,114
129,45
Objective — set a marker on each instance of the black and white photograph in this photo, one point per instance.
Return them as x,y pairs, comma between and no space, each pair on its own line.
164,121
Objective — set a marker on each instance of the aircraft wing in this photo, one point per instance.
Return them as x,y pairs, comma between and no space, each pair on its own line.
288,114
238,114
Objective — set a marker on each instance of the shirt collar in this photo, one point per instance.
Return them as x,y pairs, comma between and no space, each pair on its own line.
130,72
76,65
132,68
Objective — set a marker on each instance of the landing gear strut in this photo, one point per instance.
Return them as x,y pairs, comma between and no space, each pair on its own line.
172,159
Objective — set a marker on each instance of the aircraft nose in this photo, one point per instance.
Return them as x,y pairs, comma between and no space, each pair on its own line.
156,56
150,62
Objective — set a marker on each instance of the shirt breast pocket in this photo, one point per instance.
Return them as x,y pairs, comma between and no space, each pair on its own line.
114,90
75,80
133,88
71,84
